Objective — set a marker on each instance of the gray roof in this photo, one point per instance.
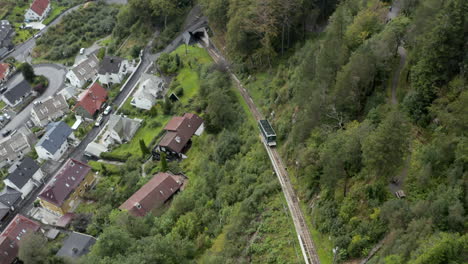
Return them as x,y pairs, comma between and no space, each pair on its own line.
9,196
87,69
110,64
14,146
76,245
23,172
57,133
123,126
4,209
17,92
5,33
51,108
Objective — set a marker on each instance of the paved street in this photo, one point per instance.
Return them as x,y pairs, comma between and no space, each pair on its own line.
56,76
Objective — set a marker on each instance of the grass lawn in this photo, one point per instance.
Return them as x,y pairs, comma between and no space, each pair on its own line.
2,104
147,132
153,125
55,11
188,77
14,11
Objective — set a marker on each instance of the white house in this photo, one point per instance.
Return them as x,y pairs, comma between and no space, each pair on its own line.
83,72
54,143
24,176
38,11
46,111
120,129
15,146
113,70
150,88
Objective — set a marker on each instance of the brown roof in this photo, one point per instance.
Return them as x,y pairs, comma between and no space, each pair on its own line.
179,131
92,99
174,123
64,183
10,237
39,6
152,195
3,69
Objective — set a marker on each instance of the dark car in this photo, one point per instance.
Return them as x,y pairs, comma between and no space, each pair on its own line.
3,89
6,133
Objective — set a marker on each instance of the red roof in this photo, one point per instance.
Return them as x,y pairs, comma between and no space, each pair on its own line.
64,183
10,237
179,131
152,195
92,99
3,69
39,6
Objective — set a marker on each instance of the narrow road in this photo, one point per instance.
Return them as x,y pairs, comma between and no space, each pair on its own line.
302,230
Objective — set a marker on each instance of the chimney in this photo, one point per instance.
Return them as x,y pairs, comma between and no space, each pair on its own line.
177,139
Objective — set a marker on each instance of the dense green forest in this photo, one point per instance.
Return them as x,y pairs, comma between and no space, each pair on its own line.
366,98
349,145
77,30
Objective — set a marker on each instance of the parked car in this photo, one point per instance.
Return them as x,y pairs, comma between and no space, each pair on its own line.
3,89
6,133
98,121
2,118
108,110
38,35
82,51
7,116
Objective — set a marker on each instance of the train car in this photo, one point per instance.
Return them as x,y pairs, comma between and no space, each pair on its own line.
268,133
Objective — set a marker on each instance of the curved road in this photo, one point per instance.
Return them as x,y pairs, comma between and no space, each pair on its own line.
56,76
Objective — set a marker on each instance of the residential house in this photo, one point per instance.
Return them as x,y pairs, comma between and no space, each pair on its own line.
38,11
15,146
153,194
10,238
120,129
90,101
62,193
150,88
25,176
76,245
179,132
69,92
6,36
5,71
112,70
49,110
9,198
85,71
54,144
14,96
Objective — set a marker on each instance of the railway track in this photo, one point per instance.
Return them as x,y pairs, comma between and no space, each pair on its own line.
303,233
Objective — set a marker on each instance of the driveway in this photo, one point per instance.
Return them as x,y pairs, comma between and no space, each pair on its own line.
56,76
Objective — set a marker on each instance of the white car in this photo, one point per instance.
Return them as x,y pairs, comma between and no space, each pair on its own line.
7,116
98,121
82,51
107,110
